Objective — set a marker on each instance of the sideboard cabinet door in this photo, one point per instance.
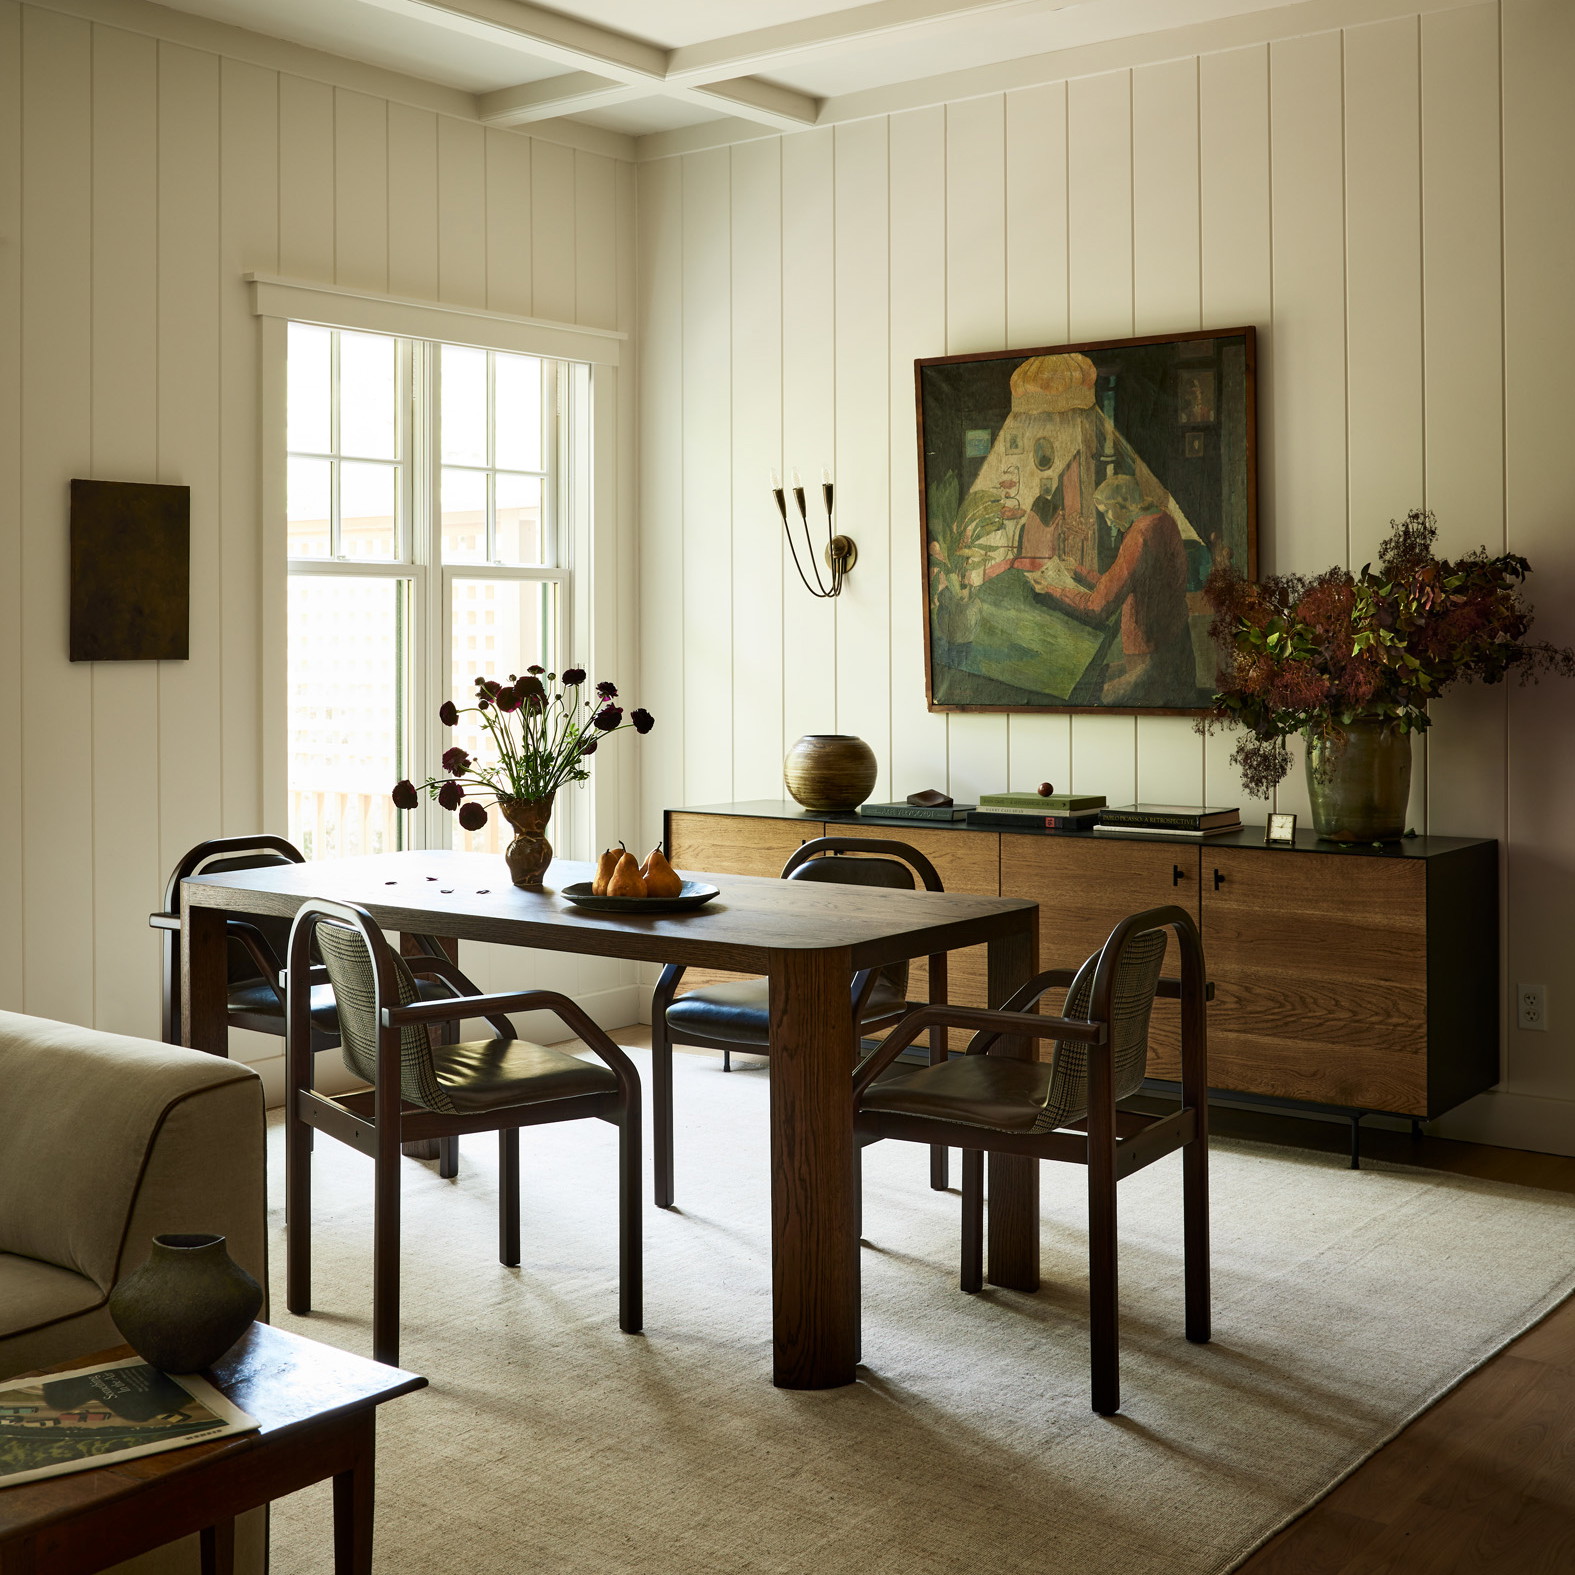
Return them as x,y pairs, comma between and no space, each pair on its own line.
1320,971
1084,888
735,844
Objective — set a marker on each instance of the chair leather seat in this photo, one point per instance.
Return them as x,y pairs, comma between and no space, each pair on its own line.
488,1074
741,1011
254,998
996,1092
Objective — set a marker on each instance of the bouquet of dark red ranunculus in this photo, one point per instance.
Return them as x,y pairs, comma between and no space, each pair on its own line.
544,725
1313,656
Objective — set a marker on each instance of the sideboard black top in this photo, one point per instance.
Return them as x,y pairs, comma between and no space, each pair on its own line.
1307,841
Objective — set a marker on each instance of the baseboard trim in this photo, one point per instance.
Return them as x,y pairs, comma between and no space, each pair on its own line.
1535,1122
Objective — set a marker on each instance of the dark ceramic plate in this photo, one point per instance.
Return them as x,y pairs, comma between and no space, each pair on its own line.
694,895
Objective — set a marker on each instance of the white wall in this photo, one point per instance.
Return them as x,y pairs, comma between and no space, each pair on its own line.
140,178
1389,203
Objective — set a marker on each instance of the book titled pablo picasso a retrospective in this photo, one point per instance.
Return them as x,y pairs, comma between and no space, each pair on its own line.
95,1416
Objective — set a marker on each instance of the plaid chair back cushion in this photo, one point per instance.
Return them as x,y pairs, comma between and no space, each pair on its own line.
1132,1001
349,966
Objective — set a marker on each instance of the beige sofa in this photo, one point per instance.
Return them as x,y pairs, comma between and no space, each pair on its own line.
106,1142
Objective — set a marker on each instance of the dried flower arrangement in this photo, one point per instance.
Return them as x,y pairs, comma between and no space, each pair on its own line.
1313,655
542,735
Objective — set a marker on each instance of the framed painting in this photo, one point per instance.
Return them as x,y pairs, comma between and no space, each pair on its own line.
1074,500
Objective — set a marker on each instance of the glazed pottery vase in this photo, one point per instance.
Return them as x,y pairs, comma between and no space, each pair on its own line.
187,1305
830,771
1359,781
530,852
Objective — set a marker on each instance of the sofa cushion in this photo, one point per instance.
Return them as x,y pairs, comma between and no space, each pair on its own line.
33,1293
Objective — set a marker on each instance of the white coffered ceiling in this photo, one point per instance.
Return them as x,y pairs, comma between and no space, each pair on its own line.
648,66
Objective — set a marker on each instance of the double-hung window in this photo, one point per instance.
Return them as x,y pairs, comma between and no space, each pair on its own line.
428,496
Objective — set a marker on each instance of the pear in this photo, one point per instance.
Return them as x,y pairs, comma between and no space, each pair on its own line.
661,879
604,870
626,879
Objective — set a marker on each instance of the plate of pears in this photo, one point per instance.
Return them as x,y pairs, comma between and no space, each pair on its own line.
623,886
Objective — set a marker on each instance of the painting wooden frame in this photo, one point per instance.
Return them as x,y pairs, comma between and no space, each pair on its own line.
1072,501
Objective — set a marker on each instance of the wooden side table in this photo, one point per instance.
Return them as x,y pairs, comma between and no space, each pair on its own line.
317,1409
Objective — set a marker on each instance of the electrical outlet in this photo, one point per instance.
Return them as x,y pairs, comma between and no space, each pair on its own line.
1531,1006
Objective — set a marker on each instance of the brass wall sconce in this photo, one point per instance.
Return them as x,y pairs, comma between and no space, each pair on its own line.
840,554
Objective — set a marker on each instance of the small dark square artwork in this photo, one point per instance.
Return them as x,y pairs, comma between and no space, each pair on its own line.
130,572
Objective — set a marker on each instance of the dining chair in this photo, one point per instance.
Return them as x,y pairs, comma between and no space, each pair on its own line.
256,947
1065,1108
735,1017
422,1090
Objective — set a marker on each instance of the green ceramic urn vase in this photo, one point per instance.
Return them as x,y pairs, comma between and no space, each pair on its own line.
187,1305
1359,781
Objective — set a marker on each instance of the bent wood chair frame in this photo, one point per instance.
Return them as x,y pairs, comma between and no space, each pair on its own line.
664,1036
269,965
1112,1144
377,1121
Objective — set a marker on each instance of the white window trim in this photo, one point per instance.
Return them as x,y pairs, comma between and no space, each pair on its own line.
332,306
277,302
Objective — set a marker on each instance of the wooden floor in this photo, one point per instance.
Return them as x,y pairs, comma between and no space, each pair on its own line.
1485,1480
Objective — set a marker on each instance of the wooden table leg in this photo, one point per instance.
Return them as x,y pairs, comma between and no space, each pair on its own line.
218,1548
204,988
1013,1221
814,1235
353,1493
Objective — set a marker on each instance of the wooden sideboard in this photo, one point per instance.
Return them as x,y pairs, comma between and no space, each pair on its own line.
1361,979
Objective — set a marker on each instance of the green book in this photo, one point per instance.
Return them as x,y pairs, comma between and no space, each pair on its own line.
1051,804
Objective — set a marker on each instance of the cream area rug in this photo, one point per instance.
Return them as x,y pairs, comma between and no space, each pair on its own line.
1345,1302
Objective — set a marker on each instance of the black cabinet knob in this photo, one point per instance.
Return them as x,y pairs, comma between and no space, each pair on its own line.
1219,879
1177,874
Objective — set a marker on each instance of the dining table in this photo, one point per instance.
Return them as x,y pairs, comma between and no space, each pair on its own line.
807,938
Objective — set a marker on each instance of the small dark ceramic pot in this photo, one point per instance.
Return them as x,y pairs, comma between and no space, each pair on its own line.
187,1305
833,771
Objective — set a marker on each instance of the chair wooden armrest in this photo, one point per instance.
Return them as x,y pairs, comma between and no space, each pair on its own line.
1170,990
570,1014
446,969
988,1025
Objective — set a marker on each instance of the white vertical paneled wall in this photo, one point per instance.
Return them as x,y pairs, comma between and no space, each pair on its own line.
1389,205
140,179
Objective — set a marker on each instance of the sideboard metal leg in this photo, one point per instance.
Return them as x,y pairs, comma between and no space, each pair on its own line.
1356,1139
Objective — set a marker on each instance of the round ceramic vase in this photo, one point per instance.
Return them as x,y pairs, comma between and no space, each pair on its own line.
1359,782
187,1305
830,771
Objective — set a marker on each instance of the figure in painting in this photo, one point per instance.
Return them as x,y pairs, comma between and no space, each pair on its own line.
1147,587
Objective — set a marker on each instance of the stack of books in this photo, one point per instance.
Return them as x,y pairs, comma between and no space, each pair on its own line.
1038,812
1170,820
947,812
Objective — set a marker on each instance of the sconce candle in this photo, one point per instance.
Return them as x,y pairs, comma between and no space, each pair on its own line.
841,554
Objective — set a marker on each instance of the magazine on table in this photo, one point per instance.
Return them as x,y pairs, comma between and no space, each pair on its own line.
94,1416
